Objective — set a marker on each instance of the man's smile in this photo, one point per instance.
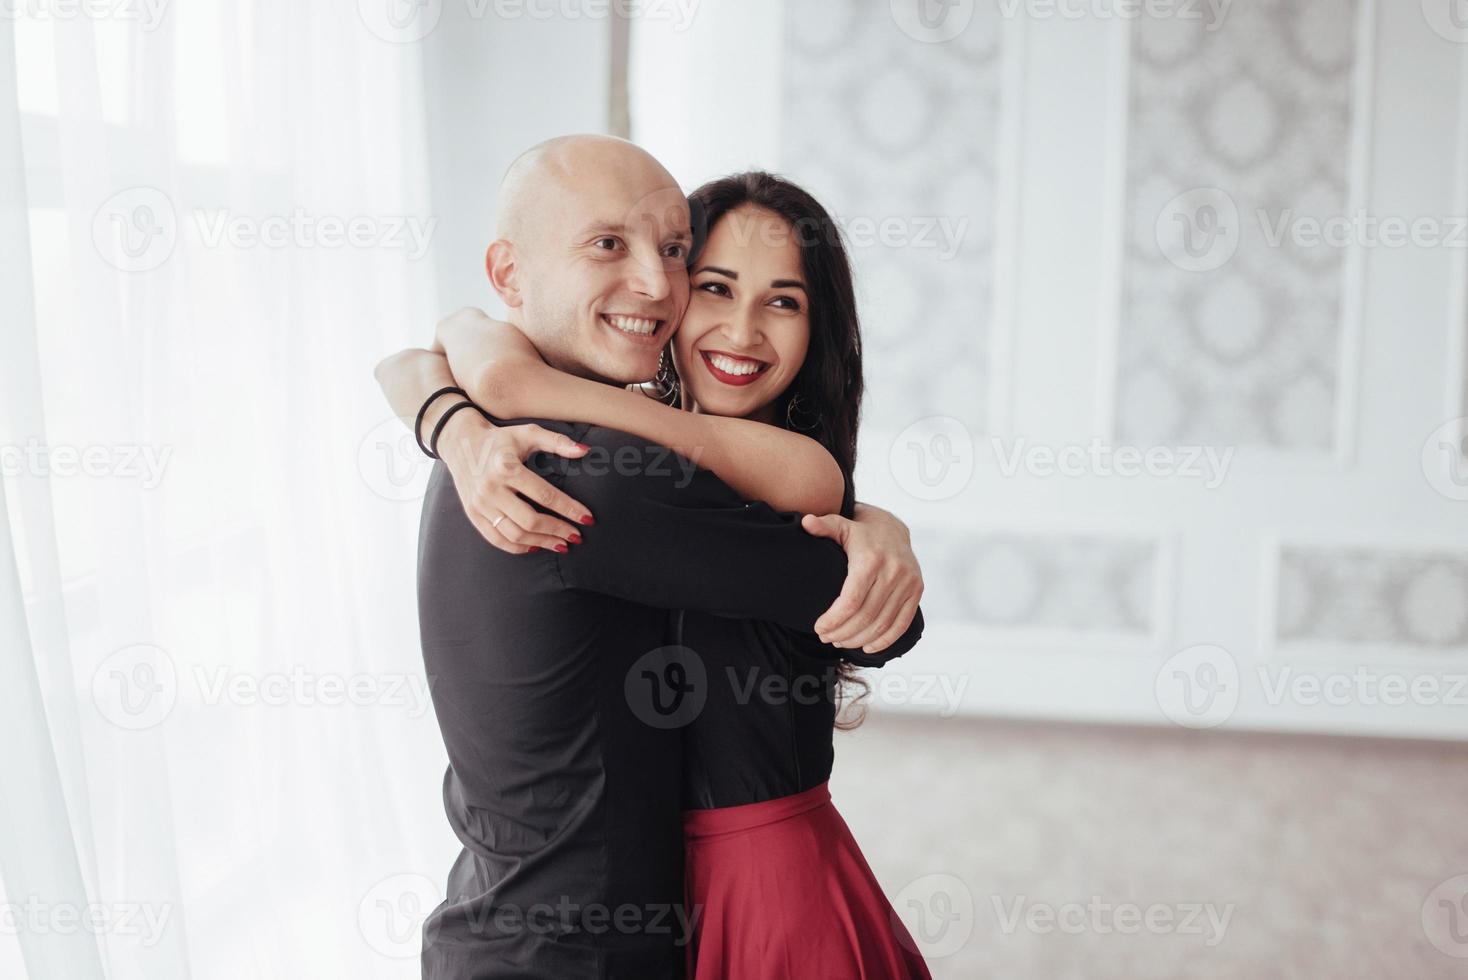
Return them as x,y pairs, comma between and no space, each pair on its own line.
641,330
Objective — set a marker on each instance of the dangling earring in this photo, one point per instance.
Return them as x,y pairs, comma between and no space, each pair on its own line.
794,408
667,382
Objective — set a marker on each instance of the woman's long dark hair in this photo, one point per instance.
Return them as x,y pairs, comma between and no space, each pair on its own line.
824,399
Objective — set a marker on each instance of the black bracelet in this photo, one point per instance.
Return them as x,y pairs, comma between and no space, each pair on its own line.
418,422
443,421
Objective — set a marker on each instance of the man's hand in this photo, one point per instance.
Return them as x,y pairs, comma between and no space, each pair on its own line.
487,464
883,579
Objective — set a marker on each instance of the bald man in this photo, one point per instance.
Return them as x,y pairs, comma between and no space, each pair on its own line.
591,259
558,684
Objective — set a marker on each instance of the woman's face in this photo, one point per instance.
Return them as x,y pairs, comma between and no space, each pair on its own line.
747,328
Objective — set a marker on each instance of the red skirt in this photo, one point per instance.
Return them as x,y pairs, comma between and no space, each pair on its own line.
782,892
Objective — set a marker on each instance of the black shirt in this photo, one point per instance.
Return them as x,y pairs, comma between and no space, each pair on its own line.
560,693
765,726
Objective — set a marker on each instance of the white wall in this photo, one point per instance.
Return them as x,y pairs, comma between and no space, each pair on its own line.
495,87
1332,546
705,91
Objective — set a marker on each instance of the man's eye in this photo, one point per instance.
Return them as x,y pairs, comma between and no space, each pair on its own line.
608,243
677,251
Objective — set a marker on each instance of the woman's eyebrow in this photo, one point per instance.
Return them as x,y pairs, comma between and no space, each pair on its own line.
774,283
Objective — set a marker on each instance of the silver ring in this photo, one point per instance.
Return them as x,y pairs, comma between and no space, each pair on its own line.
496,522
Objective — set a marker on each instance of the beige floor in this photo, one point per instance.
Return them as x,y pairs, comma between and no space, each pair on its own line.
1326,849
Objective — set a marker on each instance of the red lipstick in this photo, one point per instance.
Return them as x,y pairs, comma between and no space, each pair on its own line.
738,380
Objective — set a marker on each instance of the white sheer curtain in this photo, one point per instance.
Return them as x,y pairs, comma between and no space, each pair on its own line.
219,756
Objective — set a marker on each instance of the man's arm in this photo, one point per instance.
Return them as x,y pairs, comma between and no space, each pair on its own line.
884,580
907,638
674,536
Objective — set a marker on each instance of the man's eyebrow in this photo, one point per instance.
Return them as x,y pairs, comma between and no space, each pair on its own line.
619,228
606,227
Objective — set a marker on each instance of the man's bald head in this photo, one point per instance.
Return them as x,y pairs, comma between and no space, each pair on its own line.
549,168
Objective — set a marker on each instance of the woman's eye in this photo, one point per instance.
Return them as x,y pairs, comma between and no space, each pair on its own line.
717,288
787,303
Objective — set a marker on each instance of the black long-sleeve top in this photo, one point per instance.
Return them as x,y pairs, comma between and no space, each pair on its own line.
558,682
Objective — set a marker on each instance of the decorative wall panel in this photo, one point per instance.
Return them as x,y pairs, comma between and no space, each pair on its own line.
1239,137
1413,600
897,136
1071,583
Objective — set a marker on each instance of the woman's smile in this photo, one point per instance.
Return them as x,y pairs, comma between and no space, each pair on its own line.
731,369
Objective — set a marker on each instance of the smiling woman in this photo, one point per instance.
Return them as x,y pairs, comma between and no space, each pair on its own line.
747,324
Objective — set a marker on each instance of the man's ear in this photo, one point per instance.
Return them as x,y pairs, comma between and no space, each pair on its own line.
501,263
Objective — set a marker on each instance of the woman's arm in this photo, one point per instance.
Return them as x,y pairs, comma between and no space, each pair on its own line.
878,601
502,371
408,377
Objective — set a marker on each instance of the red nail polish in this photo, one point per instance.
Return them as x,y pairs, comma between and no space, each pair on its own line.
532,550
583,447
562,548
574,538
588,520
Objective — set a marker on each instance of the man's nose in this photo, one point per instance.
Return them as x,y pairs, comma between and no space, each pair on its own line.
650,280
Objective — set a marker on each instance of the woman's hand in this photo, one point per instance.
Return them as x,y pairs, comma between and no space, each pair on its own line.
487,464
883,579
